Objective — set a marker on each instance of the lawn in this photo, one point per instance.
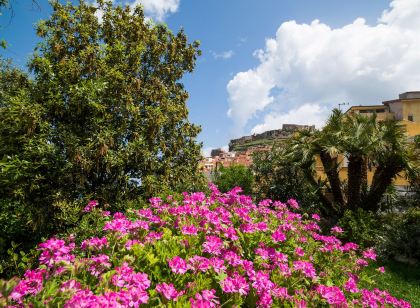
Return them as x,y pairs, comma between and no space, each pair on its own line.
401,280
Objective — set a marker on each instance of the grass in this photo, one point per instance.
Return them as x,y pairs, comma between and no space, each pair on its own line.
401,280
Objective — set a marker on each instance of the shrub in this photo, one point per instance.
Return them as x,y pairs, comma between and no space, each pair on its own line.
227,178
199,251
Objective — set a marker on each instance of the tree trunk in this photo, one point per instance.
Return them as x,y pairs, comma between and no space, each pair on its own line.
328,209
381,180
354,181
330,167
364,184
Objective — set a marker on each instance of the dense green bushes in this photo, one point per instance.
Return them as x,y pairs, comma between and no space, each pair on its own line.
102,115
227,178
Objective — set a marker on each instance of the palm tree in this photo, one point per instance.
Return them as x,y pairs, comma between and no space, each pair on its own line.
363,141
390,155
357,142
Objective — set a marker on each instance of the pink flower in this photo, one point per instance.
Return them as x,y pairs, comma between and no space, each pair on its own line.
55,251
305,267
95,243
337,230
98,264
70,285
261,282
30,285
130,244
351,285
126,277
152,236
293,203
235,284
232,258
178,265
299,251
361,262
189,230
333,295
218,265
280,292
199,263
381,269
121,225
207,299
90,206
212,245
369,254
278,236
265,300
316,217
168,291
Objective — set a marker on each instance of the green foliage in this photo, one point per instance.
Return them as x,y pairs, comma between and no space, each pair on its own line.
402,280
362,227
368,144
195,244
394,234
227,178
112,91
102,116
277,178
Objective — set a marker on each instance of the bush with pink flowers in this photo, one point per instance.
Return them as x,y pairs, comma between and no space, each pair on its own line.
201,251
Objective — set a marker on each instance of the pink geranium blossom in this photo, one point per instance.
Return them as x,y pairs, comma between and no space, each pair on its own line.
168,291
90,206
333,295
212,245
178,265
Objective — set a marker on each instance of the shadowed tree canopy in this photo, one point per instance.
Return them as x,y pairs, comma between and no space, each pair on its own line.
112,93
103,114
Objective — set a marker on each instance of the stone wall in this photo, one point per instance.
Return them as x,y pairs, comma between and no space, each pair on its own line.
284,133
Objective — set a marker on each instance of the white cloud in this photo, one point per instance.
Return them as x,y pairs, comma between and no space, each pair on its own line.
223,55
206,151
306,114
317,65
158,9
155,9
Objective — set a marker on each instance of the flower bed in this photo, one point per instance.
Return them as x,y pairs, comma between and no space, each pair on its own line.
202,251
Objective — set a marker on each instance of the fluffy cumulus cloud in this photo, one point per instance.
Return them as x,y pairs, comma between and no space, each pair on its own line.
159,9
156,9
305,114
307,69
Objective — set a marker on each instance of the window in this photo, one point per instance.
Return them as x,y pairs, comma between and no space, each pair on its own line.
411,118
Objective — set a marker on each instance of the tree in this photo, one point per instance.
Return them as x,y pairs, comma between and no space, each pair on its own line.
227,178
279,178
102,116
365,143
112,94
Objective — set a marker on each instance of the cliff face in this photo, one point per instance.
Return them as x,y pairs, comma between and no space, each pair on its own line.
266,138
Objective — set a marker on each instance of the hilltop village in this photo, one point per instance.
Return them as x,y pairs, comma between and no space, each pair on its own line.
405,109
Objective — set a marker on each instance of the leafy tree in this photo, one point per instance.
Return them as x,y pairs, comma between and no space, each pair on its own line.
279,178
227,178
112,94
103,115
366,143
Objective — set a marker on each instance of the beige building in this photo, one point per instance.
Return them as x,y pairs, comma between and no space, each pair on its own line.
405,109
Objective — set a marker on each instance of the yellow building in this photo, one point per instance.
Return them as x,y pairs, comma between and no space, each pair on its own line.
405,109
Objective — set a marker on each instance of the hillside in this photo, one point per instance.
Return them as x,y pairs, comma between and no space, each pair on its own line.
267,138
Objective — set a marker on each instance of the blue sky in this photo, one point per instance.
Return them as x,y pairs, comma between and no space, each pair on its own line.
266,62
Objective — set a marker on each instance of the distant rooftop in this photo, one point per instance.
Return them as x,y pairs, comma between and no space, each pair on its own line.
410,95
